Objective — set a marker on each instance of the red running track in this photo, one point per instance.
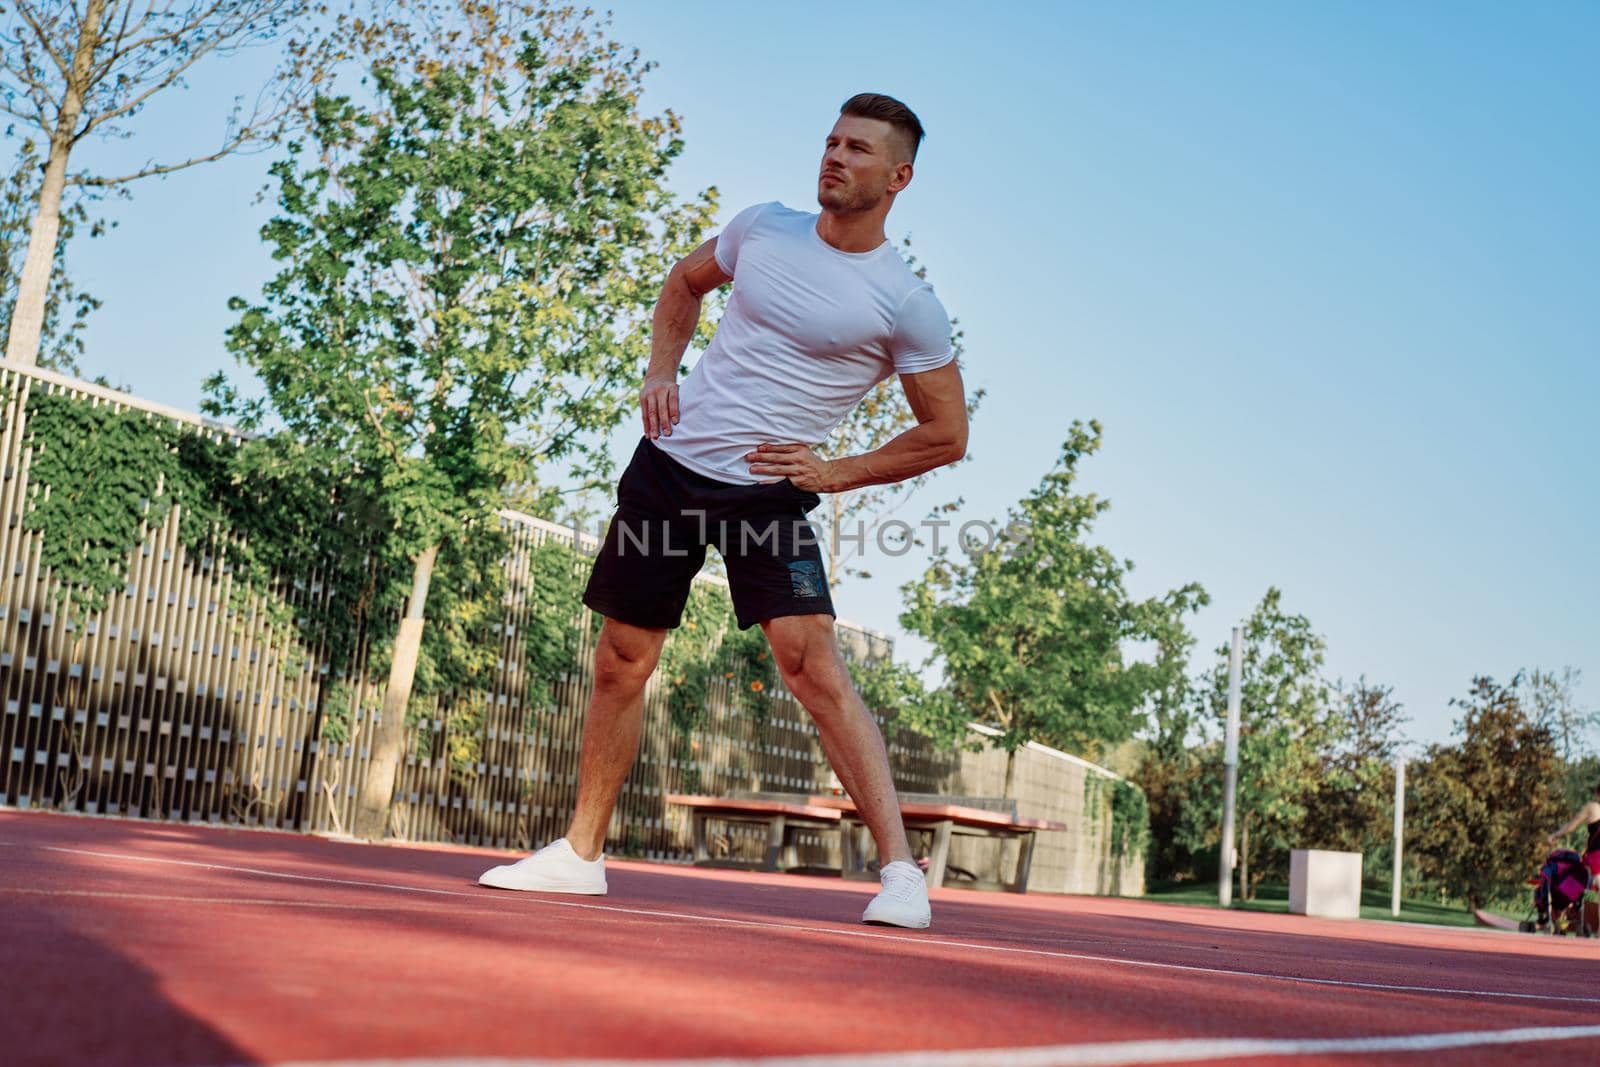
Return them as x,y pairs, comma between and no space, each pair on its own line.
132,944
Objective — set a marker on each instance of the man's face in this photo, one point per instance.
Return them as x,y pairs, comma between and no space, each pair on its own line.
861,165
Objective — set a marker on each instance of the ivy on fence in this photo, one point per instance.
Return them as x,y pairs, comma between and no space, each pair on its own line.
1130,819
101,479
1130,813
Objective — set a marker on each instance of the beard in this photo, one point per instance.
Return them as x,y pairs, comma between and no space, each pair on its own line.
846,197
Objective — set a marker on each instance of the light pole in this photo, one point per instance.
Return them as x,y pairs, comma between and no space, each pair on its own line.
1399,828
1230,773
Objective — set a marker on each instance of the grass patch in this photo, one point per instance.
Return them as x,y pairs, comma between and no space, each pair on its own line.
1374,903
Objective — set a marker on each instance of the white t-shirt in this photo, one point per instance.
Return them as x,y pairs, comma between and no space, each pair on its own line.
808,331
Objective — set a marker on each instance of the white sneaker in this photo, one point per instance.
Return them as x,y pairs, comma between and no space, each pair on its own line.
903,901
556,868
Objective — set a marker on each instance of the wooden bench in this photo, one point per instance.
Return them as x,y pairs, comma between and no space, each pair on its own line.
781,818
782,815
942,821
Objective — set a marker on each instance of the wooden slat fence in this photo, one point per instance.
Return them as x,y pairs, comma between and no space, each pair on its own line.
174,702
178,703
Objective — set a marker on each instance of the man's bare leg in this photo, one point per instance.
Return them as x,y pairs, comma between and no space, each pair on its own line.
624,658
808,657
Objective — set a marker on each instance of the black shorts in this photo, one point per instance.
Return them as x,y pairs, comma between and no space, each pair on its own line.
666,516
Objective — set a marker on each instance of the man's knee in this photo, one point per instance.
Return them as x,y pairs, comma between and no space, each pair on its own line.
625,655
806,653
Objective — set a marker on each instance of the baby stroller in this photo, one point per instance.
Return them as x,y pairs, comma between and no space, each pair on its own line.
1559,891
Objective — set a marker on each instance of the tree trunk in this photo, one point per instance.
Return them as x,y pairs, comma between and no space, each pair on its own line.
1011,774
310,751
371,821
1244,857
33,286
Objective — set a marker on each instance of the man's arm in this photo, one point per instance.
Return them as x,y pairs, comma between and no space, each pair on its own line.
1583,816
677,316
939,402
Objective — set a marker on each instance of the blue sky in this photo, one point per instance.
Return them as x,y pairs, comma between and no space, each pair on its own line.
1326,273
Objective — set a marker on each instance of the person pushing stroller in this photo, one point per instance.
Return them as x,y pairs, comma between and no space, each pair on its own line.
1563,885
1588,816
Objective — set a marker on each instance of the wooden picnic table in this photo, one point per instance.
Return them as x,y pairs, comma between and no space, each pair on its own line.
784,815
942,821
781,819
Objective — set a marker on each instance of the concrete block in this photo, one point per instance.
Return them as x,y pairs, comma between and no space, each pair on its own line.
1326,884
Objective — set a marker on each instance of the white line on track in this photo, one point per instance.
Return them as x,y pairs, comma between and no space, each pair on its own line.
480,896
1105,1054
243,902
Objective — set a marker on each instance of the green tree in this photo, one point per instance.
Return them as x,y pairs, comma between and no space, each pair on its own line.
470,261
1551,698
70,71
1030,631
1481,807
1355,806
1283,727
1169,765
67,308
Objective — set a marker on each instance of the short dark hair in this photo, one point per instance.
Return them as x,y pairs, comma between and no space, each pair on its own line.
890,110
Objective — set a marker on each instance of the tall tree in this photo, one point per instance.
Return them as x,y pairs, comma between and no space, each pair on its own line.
1030,631
70,69
1283,726
1484,804
1356,803
67,307
470,260
1551,699
1169,762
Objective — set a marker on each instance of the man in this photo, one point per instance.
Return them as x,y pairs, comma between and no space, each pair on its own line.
1588,817
822,309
